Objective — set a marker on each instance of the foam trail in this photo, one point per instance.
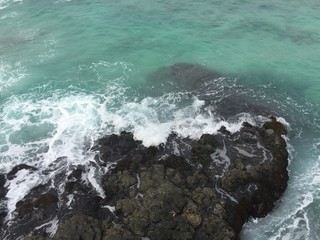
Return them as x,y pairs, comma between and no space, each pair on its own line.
10,74
52,226
6,3
19,187
9,15
220,157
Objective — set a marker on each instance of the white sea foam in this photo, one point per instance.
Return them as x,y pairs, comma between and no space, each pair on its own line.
111,208
71,124
70,200
245,153
50,45
147,124
20,186
3,4
283,121
9,15
6,3
93,177
52,226
220,157
65,127
10,74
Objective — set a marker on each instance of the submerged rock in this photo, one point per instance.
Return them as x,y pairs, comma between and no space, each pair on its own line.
222,96
182,77
239,103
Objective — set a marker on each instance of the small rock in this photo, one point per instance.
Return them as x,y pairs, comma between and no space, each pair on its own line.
45,200
11,175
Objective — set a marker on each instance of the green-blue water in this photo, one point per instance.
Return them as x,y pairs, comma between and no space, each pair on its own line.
74,70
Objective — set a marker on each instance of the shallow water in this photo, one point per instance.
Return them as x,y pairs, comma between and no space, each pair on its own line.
72,71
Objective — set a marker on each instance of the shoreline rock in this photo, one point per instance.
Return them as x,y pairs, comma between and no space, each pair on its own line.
207,192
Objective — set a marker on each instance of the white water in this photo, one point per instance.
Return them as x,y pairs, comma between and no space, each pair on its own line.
38,133
10,74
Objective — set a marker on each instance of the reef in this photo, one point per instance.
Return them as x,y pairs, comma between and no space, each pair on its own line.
207,191
204,188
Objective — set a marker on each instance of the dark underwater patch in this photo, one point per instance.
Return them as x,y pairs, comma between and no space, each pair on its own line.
182,77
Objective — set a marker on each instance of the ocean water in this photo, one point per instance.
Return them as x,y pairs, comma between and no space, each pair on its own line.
72,71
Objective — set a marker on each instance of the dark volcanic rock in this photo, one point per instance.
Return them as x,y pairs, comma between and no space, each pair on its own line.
80,227
207,192
12,173
228,179
3,192
44,205
115,147
46,200
37,208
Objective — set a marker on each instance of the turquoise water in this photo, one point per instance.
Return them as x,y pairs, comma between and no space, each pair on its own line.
72,71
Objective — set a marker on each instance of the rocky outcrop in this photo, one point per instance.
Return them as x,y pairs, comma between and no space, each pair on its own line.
3,192
183,189
227,179
208,192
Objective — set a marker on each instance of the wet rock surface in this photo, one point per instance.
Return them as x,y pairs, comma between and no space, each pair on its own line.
3,192
207,191
12,174
183,189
